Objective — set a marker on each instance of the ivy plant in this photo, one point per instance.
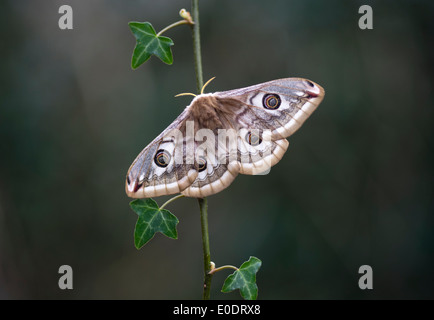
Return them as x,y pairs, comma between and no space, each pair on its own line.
151,217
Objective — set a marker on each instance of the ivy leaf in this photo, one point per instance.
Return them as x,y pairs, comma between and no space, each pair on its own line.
152,220
244,279
148,43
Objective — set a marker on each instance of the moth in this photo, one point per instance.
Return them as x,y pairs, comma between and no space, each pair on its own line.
220,135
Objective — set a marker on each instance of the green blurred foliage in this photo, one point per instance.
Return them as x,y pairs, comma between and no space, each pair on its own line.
355,187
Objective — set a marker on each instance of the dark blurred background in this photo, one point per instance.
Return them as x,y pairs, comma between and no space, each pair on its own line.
355,187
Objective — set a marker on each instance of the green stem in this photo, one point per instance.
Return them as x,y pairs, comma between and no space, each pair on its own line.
196,45
222,268
178,23
170,200
203,203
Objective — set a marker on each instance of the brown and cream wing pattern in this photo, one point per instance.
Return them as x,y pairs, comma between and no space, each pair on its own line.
222,134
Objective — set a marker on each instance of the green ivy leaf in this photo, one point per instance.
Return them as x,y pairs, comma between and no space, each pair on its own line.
152,220
148,43
244,279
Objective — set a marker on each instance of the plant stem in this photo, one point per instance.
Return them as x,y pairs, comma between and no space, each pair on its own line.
203,203
222,268
172,26
196,45
171,199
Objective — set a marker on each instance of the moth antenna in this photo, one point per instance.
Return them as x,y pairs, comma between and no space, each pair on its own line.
203,88
186,94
